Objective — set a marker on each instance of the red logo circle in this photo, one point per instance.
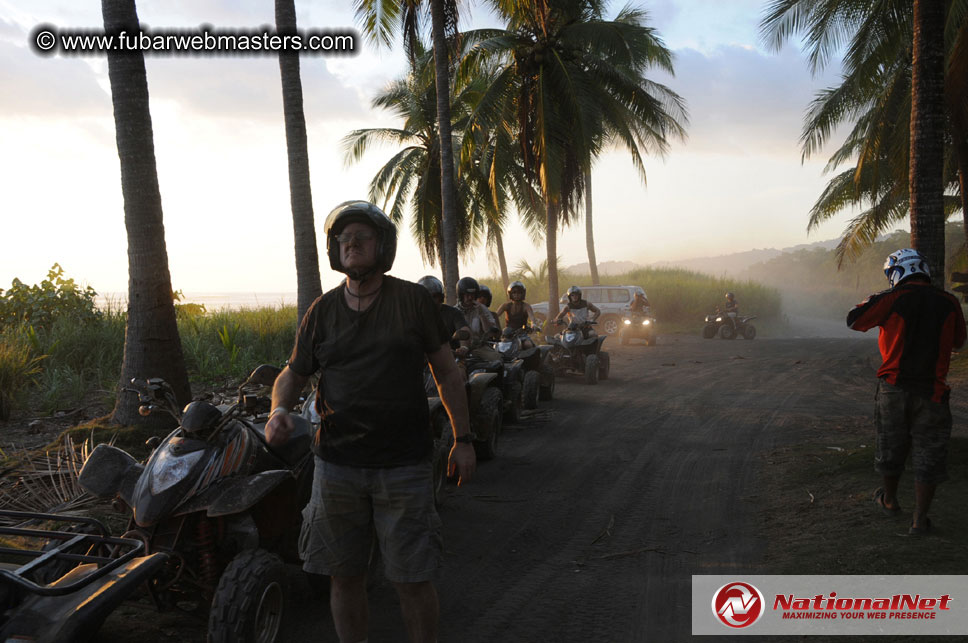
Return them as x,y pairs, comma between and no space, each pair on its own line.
738,604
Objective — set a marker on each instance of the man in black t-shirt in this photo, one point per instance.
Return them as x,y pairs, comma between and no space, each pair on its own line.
369,339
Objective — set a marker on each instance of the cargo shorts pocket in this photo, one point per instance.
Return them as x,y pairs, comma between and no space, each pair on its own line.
305,544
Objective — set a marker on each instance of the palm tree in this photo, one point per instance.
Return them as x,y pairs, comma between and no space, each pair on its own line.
300,191
152,347
379,18
410,180
561,76
927,135
876,91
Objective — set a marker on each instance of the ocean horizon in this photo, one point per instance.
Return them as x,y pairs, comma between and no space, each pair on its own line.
212,300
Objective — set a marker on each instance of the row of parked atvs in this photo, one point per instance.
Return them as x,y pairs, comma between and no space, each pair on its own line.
215,511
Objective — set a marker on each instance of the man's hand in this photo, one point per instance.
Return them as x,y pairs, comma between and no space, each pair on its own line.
462,462
278,429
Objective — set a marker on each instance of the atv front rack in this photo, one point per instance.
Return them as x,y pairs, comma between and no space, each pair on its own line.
85,541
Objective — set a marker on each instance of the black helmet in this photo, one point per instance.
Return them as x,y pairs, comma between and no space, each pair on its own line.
574,290
361,212
432,284
486,294
519,286
468,285
730,295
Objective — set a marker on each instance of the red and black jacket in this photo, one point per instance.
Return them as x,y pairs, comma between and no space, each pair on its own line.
920,325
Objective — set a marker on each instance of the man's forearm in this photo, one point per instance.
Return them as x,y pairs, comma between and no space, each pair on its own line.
286,390
454,397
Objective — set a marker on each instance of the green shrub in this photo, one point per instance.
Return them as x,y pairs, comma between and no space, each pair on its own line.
41,304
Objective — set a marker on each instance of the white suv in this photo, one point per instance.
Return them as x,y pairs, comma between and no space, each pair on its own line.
613,301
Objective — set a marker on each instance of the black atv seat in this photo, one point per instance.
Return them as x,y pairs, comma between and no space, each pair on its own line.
298,445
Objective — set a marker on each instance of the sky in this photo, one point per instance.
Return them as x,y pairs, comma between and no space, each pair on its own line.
736,183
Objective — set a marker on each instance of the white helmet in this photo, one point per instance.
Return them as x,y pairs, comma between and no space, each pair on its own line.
902,264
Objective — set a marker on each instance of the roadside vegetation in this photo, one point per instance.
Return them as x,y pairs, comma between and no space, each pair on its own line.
59,351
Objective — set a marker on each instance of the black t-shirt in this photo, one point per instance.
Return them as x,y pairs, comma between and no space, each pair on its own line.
371,395
453,318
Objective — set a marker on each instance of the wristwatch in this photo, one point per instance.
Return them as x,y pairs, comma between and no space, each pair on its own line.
467,438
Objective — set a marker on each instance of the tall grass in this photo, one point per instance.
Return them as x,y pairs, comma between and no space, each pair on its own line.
75,364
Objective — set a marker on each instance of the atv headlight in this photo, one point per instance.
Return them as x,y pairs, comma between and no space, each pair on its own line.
628,322
719,319
503,347
169,469
645,322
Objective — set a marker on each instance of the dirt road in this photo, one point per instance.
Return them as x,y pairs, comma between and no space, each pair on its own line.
600,507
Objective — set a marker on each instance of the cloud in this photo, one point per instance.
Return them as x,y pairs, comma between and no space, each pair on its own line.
742,101
48,86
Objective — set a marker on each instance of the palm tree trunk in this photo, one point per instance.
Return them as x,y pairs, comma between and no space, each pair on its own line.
308,284
501,259
590,230
448,192
927,135
152,347
551,244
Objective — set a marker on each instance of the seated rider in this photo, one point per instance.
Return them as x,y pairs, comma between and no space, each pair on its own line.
484,298
640,304
579,310
453,321
732,308
453,318
479,320
517,312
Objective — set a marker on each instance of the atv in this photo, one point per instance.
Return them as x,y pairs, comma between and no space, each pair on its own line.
574,352
539,375
719,323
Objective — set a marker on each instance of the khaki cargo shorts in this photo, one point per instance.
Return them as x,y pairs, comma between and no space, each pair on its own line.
905,423
350,506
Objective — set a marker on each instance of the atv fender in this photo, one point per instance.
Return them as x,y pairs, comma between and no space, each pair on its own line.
601,340
476,385
109,471
234,495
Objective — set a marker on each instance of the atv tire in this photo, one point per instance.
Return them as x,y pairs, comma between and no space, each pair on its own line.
529,393
546,393
604,365
249,601
749,332
591,369
727,332
513,414
489,416
708,331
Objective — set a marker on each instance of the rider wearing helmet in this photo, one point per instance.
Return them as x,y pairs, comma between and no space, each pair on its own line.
484,298
579,310
517,312
453,318
640,304
479,318
920,325
731,309
369,338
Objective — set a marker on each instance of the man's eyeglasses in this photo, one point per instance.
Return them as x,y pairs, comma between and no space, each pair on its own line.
359,235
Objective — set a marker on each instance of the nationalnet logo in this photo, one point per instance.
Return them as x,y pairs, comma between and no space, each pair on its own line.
832,606
738,604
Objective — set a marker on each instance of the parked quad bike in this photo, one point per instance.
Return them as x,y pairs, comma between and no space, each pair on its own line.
718,323
539,374
638,325
493,393
63,575
573,352
221,504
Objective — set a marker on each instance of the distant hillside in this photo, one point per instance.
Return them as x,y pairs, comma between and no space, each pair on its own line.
738,262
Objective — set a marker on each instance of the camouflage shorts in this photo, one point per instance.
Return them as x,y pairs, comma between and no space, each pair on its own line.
905,423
